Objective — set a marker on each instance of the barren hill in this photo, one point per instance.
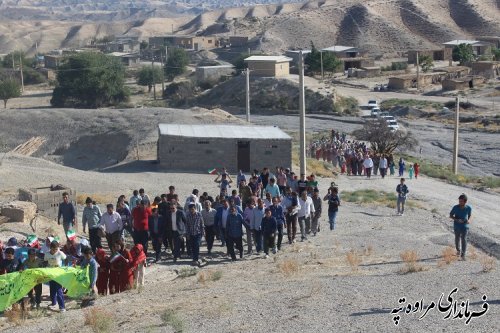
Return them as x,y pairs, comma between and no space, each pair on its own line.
382,27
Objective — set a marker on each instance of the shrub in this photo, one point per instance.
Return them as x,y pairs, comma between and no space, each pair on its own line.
209,275
170,318
354,259
448,255
187,272
289,267
100,320
488,263
410,259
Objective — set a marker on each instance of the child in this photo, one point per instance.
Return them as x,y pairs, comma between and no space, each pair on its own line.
9,263
411,171
89,261
121,277
55,258
138,263
34,261
416,167
103,275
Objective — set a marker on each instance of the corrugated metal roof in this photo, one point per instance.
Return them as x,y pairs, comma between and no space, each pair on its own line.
223,131
269,58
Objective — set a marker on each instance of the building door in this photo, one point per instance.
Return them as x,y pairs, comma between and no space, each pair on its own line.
244,156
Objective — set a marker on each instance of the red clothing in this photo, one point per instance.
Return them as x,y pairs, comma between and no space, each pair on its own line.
141,218
138,255
127,275
103,274
120,272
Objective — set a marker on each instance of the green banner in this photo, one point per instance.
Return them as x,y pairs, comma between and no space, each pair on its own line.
14,286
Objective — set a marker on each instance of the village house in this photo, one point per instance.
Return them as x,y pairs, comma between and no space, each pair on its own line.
269,66
350,56
462,83
486,69
479,48
213,73
196,43
127,59
444,54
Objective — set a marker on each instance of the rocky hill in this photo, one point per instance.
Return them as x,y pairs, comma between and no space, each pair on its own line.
381,27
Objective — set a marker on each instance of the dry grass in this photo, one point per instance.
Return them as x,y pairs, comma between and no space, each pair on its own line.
289,267
99,320
354,259
488,263
170,318
187,272
410,259
99,198
16,315
448,256
209,275
473,253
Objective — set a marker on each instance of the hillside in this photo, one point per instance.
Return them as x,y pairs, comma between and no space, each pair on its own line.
381,27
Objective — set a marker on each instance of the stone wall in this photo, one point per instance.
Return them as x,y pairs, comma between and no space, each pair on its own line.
19,211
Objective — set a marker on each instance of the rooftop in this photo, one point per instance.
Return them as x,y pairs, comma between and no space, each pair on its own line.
461,41
223,131
269,58
339,48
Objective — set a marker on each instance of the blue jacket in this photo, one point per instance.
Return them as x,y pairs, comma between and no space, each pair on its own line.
269,226
161,224
234,225
278,214
218,215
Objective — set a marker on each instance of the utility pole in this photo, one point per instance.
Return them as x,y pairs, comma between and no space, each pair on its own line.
418,72
322,72
302,111
455,137
21,69
153,69
162,80
247,74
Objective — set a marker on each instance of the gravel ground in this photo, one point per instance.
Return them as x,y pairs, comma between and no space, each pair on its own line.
324,295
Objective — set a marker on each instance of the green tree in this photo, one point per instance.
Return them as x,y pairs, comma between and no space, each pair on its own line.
147,76
90,80
9,88
463,53
239,62
496,54
426,62
176,63
330,62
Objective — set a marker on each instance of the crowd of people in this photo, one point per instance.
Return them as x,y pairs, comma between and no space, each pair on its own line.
261,207
354,158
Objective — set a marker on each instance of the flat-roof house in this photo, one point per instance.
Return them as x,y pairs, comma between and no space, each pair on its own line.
128,59
479,48
269,66
351,56
205,147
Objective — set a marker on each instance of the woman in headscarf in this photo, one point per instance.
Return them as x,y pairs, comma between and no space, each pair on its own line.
138,264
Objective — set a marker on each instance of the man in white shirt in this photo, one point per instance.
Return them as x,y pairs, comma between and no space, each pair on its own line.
304,214
368,165
112,223
383,166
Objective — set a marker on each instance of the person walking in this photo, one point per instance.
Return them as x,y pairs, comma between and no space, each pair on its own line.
416,167
383,166
411,171
68,213
368,165
317,211
55,258
277,212
111,222
234,232
461,215
402,167
176,222
291,204
269,228
402,190
91,216
208,214
156,226
333,199
304,215
256,225
141,216
194,230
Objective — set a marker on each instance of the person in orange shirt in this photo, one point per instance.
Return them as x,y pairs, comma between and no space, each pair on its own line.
141,216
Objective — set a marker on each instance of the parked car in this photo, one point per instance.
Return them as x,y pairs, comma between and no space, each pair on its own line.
373,103
375,111
393,125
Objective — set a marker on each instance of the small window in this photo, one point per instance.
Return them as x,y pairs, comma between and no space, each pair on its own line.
274,146
203,142
209,41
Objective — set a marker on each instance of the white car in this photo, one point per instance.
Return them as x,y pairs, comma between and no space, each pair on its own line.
373,103
393,125
375,112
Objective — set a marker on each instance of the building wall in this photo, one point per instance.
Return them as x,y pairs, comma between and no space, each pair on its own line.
262,68
197,154
436,55
237,41
213,73
487,69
